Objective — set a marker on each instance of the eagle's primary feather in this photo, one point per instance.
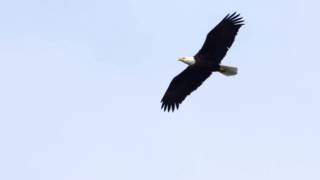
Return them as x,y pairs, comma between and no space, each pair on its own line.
182,85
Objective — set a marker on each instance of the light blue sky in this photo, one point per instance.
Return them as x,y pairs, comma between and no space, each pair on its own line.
81,83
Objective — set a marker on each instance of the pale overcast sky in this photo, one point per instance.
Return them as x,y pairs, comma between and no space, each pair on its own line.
81,83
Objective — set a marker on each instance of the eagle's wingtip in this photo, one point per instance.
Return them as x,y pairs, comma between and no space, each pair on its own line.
167,107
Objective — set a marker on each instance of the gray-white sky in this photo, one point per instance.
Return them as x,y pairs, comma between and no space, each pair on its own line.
81,83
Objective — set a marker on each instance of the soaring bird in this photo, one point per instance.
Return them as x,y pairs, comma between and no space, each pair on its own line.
206,61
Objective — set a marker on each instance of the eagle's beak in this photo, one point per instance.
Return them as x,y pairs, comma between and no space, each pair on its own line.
180,59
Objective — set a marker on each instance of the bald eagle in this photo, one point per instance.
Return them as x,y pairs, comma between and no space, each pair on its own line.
206,61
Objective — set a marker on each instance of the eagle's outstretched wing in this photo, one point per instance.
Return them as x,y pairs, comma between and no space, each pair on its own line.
220,38
182,85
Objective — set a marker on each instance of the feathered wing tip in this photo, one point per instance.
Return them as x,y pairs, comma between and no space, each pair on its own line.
235,18
169,106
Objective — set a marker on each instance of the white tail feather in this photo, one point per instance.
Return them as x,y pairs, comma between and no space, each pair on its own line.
228,70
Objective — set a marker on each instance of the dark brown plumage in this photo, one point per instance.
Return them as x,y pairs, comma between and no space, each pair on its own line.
207,60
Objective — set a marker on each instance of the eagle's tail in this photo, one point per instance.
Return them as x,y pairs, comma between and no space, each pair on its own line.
228,70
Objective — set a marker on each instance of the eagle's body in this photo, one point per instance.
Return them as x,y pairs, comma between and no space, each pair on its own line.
206,61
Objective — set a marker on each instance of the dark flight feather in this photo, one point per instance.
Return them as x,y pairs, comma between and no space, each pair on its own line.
220,39
182,85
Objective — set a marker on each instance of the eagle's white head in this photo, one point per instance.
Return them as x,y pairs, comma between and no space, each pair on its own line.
187,60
